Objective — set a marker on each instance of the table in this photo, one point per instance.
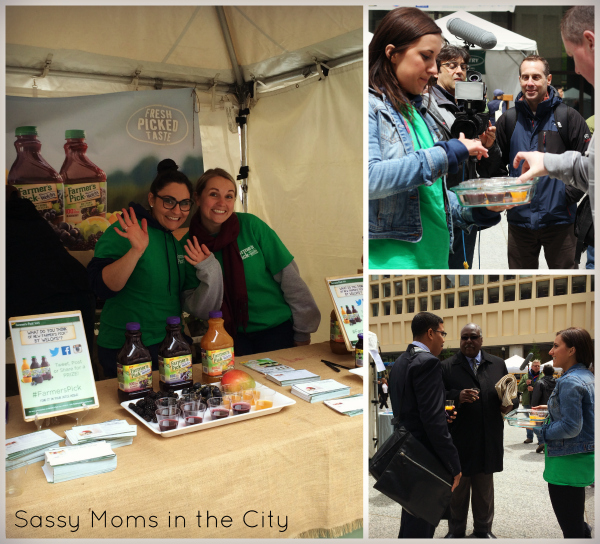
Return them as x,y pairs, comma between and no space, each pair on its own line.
296,473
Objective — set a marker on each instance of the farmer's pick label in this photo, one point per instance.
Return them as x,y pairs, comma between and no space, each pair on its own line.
134,377
218,361
175,369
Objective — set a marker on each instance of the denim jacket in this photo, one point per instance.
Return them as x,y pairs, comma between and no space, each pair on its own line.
396,171
571,408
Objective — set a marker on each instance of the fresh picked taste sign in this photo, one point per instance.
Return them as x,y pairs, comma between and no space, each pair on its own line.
158,124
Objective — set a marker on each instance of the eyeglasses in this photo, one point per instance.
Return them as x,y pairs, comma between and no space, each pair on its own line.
470,337
443,333
169,203
454,65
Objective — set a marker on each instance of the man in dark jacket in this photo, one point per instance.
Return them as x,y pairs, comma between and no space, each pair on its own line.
418,402
525,387
470,378
452,65
548,220
544,387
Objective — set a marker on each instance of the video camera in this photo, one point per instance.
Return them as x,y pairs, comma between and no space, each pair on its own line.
469,95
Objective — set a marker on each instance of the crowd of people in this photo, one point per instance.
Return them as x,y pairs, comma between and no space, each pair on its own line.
414,220
471,444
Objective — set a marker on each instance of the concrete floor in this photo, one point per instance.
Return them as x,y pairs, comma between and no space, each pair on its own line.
522,506
494,244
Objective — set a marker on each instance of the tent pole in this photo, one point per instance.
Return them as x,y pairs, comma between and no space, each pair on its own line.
243,93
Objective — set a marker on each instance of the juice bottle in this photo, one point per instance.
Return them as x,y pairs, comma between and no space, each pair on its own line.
217,349
358,352
350,315
35,179
85,188
174,358
36,371
134,365
336,340
26,371
46,374
344,316
356,316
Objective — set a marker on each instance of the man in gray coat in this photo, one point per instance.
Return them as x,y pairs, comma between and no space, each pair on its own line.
572,167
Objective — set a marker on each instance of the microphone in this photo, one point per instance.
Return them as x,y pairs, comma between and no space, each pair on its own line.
526,361
471,34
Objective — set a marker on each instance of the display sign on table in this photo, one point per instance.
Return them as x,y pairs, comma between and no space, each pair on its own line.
53,364
347,296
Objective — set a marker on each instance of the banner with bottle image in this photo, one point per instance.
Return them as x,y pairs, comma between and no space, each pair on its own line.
82,159
347,296
53,364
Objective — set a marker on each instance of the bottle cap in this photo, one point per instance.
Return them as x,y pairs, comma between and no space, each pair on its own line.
174,320
26,131
360,335
74,133
132,326
215,314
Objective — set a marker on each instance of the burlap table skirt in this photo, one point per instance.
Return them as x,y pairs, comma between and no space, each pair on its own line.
297,473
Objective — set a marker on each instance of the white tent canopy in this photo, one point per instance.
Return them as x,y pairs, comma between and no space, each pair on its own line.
502,62
513,364
304,131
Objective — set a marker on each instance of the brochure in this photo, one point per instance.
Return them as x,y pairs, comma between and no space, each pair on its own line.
292,377
320,390
117,432
72,462
350,406
29,448
266,366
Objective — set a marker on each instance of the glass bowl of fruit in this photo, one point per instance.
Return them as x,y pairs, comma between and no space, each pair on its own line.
527,417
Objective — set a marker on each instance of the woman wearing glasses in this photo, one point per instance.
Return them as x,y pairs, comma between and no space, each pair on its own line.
266,305
411,214
140,268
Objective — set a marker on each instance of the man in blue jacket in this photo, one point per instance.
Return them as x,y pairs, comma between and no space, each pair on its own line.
418,401
548,220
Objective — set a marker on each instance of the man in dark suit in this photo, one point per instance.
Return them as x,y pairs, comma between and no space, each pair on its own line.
470,377
418,402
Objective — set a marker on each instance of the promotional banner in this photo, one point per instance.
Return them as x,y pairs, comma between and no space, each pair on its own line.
106,148
54,370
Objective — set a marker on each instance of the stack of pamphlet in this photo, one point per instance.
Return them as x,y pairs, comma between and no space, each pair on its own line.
291,377
72,462
29,448
117,432
267,366
350,406
320,390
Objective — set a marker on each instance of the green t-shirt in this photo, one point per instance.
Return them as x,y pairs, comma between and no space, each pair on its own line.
576,470
264,255
151,293
432,251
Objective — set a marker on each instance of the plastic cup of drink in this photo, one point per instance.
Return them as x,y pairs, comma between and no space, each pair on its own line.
218,410
167,418
248,395
449,406
241,407
266,399
166,401
194,416
256,394
187,405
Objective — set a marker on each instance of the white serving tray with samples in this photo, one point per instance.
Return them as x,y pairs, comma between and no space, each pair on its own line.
279,402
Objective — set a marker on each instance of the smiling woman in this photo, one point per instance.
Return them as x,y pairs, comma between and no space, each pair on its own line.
140,268
266,305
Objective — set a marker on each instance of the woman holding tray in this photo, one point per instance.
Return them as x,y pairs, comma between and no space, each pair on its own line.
410,211
140,268
569,436
266,305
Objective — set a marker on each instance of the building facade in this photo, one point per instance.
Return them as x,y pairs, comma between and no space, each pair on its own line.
517,313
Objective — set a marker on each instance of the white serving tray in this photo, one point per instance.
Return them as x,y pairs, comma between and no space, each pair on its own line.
279,401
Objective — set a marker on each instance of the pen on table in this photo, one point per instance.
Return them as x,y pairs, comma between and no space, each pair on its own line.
335,364
330,365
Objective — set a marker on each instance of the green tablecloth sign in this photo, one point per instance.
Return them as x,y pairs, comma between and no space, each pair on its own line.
347,296
53,364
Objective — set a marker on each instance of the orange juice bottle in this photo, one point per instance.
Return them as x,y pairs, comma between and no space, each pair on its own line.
26,371
217,349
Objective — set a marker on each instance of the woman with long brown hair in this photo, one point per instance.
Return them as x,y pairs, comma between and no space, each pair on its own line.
410,211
